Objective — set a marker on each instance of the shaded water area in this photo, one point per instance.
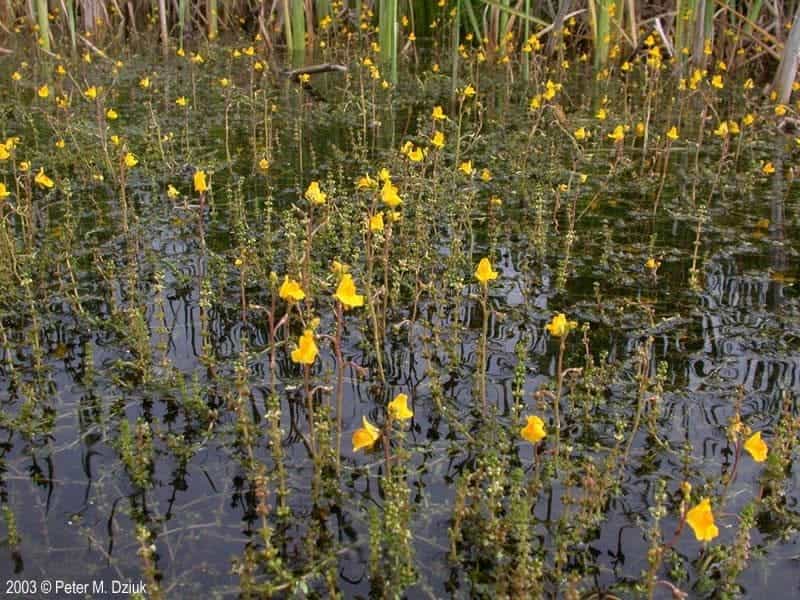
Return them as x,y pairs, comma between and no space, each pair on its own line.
144,420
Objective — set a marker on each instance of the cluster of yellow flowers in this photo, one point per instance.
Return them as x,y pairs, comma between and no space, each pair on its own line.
550,91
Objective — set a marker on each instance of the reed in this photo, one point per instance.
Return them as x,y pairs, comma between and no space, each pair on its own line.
162,21
601,31
298,24
69,12
213,20
387,24
44,24
787,69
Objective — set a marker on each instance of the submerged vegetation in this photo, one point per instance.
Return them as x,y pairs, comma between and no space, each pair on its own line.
500,303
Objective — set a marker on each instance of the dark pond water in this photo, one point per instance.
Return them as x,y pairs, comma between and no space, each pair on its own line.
111,327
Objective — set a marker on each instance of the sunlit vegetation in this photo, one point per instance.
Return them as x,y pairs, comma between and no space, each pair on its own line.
426,299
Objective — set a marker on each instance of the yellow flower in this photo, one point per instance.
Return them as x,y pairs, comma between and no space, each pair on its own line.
618,134
224,82
466,167
701,520
652,264
24,166
91,93
339,267
389,195
486,175
4,153
438,140
768,169
716,81
346,293
733,128
748,119
581,134
304,78
722,130
131,160
780,110
376,223
200,182
559,326
263,164
640,129
415,154
484,273
4,193
115,140
290,290
384,175
366,183
398,408
43,91
601,114
469,91
756,447
673,133
16,76
43,180
144,83
314,194
111,114
365,436
60,144
534,431
749,85
180,52
181,101
172,191
438,113
306,351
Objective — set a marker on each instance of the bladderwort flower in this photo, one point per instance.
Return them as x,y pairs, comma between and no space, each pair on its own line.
485,273
43,180
346,293
306,351
701,520
290,290
365,436
398,408
376,222
314,194
389,194
131,160
200,182
559,326
756,447
534,431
